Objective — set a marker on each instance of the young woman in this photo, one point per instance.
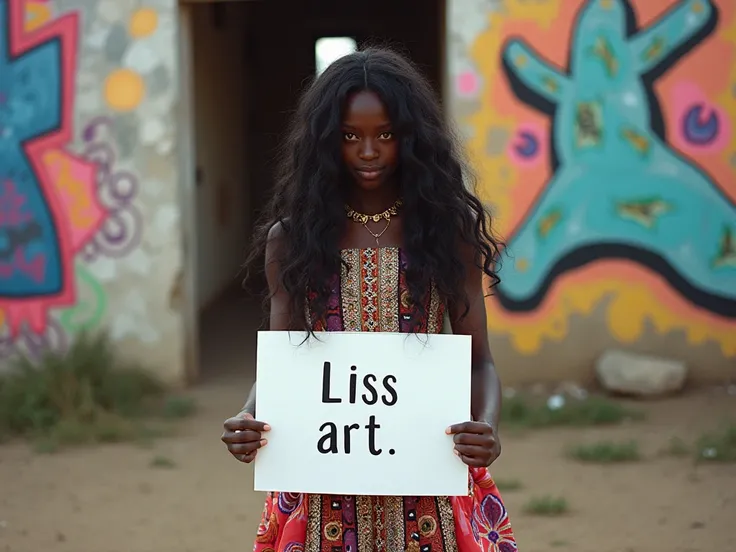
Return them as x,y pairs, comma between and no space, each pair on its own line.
372,228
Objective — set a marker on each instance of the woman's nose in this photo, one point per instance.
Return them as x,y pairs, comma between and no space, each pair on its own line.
367,150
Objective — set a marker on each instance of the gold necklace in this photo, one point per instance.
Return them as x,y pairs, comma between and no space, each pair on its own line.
364,219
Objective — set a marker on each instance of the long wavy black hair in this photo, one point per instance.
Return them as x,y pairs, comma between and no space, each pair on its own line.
440,212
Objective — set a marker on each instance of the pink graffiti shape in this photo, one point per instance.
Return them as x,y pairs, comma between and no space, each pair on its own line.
468,84
33,310
528,147
75,184
699,125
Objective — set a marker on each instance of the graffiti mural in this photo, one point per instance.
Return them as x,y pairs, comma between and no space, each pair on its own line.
617,185
58,208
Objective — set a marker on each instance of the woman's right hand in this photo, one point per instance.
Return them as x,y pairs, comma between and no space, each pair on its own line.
243,436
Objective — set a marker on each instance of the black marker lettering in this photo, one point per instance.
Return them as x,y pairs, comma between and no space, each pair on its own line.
348,429
391,391
326,385
353,385
328,443
372,390
372,427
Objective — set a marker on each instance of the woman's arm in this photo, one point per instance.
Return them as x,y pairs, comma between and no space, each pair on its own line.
477,441
279,314
243,434
485,384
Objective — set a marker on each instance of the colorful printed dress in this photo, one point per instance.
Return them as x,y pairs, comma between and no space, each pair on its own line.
375,298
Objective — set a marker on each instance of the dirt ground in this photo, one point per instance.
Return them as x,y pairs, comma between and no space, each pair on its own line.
111,499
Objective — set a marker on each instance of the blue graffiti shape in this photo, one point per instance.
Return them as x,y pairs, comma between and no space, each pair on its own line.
528,146
696,130
618,190
30,107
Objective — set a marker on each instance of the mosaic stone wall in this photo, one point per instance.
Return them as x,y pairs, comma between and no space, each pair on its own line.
89,214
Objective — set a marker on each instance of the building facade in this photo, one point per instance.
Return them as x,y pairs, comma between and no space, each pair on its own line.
601,130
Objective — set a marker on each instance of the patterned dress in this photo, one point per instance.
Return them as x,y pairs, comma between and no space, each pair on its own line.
375,298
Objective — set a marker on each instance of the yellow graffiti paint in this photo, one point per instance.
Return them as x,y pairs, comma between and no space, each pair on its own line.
549,222
636,140
602,49
645,212
80,210
543,13
143,23
631,306
124,90
37,14
655,49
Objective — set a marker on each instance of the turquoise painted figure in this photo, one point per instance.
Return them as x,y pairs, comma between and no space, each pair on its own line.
30,106
618,189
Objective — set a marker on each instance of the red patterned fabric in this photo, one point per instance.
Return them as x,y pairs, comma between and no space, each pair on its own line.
371,295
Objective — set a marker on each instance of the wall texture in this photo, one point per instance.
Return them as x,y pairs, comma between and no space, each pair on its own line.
89,214
603,134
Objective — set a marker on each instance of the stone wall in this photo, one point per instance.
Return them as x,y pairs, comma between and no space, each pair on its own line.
89,210
603,135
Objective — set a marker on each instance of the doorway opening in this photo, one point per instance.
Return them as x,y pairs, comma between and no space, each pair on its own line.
247,62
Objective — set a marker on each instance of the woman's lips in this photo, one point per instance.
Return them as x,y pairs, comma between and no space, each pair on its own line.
369,174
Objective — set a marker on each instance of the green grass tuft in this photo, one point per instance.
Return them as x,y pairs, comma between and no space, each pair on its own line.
718,446
162,462
85,395
179,407
547,506
592,411
605,452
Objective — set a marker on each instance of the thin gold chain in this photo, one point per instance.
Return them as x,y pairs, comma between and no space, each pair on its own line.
378,236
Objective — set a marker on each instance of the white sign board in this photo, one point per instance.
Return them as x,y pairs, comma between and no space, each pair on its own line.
356,413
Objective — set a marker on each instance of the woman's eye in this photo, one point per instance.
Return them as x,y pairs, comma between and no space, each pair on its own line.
350,136
386,135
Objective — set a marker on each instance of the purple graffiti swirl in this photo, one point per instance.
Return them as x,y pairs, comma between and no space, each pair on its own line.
32,345
528,145
120,232
700,130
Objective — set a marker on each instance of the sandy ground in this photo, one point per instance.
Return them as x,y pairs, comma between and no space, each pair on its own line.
110,499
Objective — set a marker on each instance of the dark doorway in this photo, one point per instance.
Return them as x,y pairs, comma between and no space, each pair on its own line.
259,55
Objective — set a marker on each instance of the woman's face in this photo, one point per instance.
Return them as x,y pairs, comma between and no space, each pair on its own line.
369,148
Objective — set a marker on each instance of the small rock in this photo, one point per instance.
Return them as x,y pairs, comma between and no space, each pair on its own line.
555,402
640,375
709,453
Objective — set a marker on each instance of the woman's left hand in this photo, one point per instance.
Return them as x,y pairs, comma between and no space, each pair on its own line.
476,443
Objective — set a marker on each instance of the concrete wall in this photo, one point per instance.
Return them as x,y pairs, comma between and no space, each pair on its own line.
603,132
608,159
89,210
